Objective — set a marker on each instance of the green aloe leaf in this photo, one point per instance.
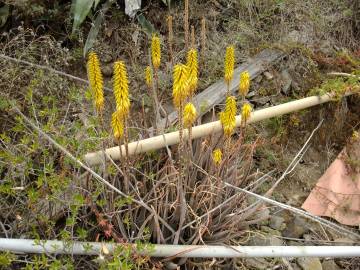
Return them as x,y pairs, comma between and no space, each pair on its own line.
81,9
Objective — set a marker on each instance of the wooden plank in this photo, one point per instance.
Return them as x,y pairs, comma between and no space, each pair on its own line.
216,93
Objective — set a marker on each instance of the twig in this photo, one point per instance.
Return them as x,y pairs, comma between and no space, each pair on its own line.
343,74
4,229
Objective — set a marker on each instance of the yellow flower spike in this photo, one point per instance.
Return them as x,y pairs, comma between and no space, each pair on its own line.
180,85
148,76
228,116
244,83
155,51
121,89
229,64
117,125
189,115
217,156
96,80
245,112
192,63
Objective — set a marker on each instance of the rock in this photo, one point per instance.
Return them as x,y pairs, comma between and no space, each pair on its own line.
296,36
294,200
294,266
267,237
257,263
107,70
262,214
260,101
258,79
309,263
343,242
268,75
296,228
330,265
106,58
277,223
286,81
295,243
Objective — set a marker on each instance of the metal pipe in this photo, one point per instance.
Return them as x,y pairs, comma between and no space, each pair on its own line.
172,138
188,251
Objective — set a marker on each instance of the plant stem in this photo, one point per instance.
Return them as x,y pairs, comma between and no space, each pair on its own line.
186,24
155,88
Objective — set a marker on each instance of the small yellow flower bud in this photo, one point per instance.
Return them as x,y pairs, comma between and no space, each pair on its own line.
155,51
217,156
244,83
245,112
117,125
228,116
148,76
189,115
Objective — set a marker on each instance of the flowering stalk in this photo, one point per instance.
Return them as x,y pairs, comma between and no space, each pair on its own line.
180,94
217,157
156,60
96,87
203,39
119,118
170,38
192,37
151,88
192,64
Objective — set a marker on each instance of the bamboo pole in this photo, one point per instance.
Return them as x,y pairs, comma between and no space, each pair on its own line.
168,139
185,251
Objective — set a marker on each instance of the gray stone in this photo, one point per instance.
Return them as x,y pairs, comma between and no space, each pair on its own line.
330,265
296,228
260,101
277,223
343,242
257,263
286,81
268,75
266,237
294,266
106,58
309,263
107,70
